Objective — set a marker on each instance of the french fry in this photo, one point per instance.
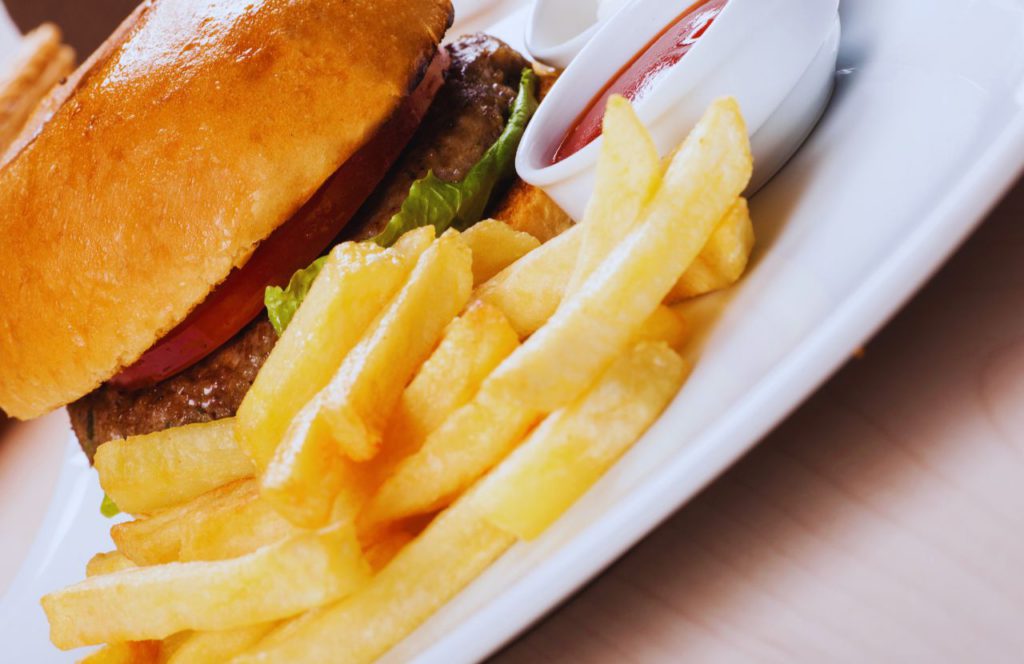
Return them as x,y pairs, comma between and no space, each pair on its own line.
170,645
473,345
472,441
226,523
363,393
131,652
384,550
459,545
467,445
311,469
428,572
108,563
496,245
628,174
235,528
286,628
529,291
310,480
724,258
703,181
148,540
307,571
157,539
665,324
574,447
355,285
218,647
144,474
563,359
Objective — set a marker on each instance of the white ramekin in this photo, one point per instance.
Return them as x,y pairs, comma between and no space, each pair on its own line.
559,29
777,57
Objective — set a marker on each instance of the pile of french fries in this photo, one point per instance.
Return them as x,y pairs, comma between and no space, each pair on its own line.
430,405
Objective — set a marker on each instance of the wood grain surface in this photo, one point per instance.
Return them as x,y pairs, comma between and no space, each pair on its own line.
883,522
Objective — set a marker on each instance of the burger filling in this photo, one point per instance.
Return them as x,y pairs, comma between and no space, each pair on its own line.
455,149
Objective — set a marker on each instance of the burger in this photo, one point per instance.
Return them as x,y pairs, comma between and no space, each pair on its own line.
195,167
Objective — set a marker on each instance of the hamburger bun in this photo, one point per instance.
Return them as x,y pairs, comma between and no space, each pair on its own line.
194,133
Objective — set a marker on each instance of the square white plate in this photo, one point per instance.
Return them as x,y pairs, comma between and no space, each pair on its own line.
924,134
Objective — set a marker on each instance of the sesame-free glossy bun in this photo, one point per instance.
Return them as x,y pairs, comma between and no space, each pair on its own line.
199,128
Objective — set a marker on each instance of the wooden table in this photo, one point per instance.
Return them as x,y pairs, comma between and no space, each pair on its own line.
883,522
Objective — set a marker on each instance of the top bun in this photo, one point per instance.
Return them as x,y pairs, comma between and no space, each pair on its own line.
199,128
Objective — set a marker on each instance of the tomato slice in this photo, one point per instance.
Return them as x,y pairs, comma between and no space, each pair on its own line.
293,246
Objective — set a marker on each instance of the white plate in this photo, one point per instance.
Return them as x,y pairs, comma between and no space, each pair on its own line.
925,133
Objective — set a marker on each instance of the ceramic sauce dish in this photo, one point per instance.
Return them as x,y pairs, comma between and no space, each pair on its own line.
777,57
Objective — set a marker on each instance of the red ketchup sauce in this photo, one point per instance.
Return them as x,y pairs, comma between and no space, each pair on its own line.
643,73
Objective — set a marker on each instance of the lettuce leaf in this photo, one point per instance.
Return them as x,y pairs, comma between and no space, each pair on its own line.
282,303
444,205
109,508
431,202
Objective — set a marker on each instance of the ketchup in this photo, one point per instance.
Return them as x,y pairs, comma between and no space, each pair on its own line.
643,73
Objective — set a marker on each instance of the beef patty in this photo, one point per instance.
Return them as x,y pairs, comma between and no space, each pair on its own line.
467,116
210,390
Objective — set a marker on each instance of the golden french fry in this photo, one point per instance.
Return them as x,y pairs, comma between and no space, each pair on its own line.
286,628
233,528
218,647
363,393
384,550
304,572
428,572
529,291
467,445
628,174
473,440
148,473
667,325
355,285
310,480
724,258
132,652
170,645
570,450
564,358
108,563
591,328
148,540
157,539
459,545
496,245
473,345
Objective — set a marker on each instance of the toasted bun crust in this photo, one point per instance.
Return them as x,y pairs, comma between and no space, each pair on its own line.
196,131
